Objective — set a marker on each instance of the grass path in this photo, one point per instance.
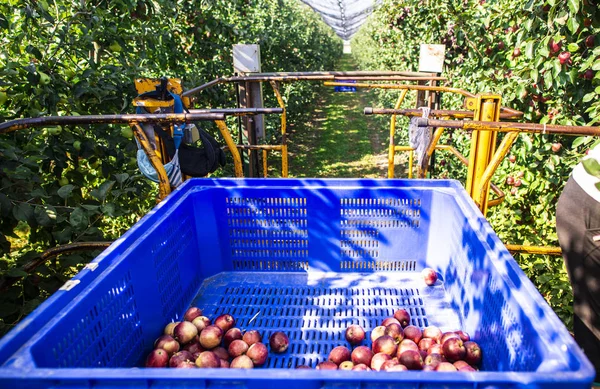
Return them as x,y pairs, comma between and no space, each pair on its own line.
340,141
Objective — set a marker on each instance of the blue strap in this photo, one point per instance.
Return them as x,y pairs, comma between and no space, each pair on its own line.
177,129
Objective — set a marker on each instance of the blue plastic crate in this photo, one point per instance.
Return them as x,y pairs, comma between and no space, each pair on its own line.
308,257
347,89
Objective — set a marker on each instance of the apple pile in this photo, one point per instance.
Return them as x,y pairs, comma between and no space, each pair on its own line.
398,346
198,342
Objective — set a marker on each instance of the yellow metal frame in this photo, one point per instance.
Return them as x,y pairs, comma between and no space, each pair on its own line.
159,157
483,147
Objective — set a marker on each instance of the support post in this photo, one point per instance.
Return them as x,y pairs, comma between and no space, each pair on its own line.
483,147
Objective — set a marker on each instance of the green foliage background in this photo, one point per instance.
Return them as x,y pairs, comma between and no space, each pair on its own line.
61,185
505,47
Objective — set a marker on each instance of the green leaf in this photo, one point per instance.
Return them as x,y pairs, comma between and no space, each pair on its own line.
16,272
41,217
578,141
65,191
121,177
573,7
591,166
63,236
534,74
78,218
30,305
556,68
529,49
109,209
573,25
589,97
573,47
597,185
101,192
596,66
23,212
5,205
90,207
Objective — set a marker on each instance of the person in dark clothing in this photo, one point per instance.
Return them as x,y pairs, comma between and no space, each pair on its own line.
578,229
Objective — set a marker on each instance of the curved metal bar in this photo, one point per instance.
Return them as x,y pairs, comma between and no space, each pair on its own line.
164,186
509,127
29,267
20,124
435,112
237,160
319,76
240,111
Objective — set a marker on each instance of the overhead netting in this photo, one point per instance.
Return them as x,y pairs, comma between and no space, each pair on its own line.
344,16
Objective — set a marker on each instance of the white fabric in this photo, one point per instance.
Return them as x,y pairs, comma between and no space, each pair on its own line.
586,181
419,138
344,16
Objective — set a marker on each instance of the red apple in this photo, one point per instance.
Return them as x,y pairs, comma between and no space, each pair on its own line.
589,74
472,353
355,334
157,358
413,333
564,58
454,349
556,147
445,366
411,359
327,366
395,331
385,344
252,337
378,360
258,353
389,321
377,332
554,46
429,276
432,332
338,355
589,41
362,355
403,317
361,367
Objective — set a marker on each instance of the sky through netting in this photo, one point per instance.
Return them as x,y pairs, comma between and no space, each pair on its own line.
344,16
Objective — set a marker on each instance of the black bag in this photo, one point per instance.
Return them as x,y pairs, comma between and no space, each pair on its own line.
195,161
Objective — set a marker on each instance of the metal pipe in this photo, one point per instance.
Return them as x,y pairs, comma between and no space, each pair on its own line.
391,153
260,147
239,111
51,253
237,160
509,127
284,153
20,124
403,86
164,186
200,88
389,78
418,87
436,137
264,161
465,161
318,76
497,158
435,112
544,250
349,74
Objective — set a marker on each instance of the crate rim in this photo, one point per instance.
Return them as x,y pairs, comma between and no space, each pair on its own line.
481,227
